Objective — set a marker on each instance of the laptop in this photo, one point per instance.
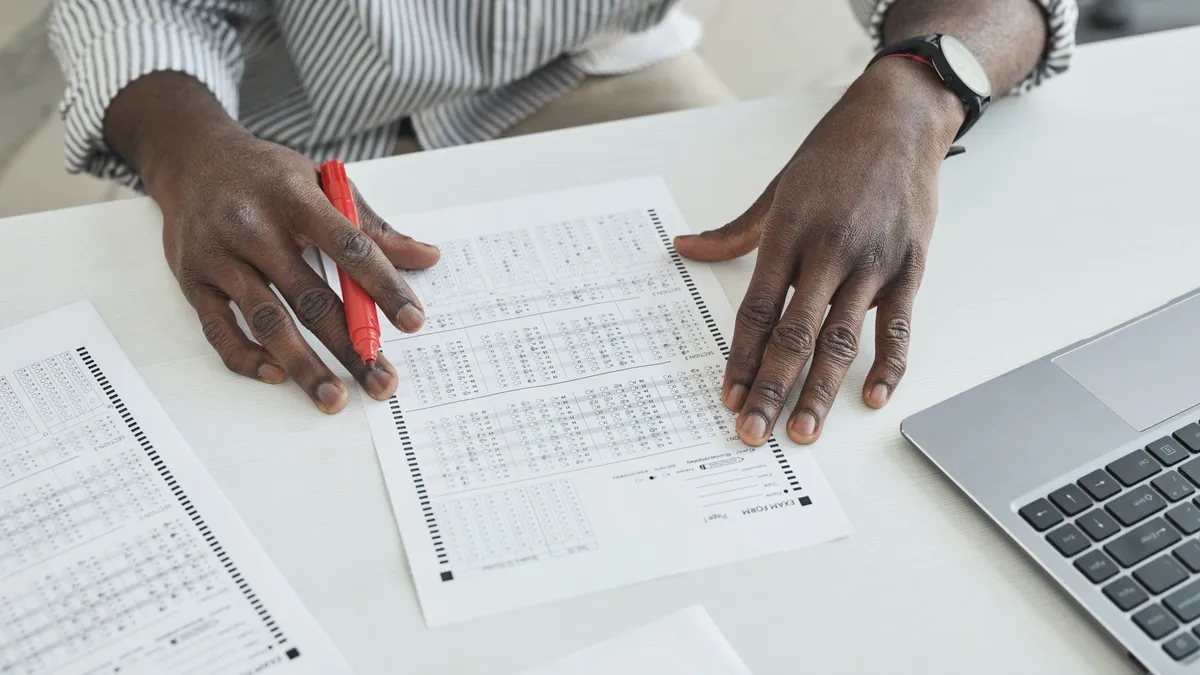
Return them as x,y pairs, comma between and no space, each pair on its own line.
1089,458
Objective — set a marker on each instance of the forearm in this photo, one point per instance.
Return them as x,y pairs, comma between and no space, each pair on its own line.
157,122
1007,36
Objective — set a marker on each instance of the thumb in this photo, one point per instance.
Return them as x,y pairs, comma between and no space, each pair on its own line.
735,239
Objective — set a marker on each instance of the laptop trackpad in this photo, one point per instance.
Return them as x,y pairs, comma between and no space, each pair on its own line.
1145,372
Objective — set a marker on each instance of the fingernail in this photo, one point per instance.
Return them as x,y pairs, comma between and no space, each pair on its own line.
329,395
879,395
432,246
271,373
754,426
378,381
805,425
410,318
737,397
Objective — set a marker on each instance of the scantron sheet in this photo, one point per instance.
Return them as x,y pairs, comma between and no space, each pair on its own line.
684,643
558,427
118,553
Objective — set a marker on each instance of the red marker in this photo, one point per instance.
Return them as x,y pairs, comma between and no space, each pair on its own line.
361,318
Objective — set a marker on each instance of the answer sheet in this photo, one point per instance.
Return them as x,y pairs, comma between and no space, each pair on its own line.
684,643
558,427
118,553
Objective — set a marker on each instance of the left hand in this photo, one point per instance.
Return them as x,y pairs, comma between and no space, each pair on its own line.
847,223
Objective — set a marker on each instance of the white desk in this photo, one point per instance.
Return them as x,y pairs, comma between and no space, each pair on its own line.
1073,209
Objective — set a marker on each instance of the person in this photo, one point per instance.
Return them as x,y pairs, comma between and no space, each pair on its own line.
219,109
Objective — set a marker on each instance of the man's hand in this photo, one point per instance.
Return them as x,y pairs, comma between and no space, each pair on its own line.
846,224
237,213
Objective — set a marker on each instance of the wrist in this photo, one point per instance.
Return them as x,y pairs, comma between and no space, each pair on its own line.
921,106
160,124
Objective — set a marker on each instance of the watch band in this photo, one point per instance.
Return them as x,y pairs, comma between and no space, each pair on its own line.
927,49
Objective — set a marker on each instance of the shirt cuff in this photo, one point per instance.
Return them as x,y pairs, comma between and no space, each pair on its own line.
1062,17
116,58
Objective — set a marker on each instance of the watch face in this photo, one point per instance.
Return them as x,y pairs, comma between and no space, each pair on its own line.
966,66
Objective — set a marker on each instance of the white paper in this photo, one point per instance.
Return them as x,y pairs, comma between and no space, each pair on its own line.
118,553
684,643
558,428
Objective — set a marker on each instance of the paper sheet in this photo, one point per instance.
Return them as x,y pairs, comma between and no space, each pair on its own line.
118,553
558,428
684,643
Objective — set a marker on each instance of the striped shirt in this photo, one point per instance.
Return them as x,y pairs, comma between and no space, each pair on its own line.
338,77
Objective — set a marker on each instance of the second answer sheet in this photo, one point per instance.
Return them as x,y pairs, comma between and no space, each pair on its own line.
559,428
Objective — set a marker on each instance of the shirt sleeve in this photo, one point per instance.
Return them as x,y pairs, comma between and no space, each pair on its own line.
103,45
1062,16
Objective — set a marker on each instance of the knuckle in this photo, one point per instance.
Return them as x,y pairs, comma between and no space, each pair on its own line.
215,332
298,182
315,305
355,246
190,282
267,321
839,342
896,331
872,257
822,392
757,314
242,214
793,339
839,238
771,394
914,260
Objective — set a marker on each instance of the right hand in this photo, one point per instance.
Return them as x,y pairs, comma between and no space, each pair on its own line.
237,221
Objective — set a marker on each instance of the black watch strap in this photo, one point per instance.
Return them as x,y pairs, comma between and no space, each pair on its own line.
928,49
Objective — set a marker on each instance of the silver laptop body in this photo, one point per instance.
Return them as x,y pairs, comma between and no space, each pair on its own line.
1090,459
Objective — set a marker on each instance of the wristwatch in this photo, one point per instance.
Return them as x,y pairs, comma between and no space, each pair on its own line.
955,66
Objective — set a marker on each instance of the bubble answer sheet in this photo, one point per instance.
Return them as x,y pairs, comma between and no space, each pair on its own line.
118,553
559,428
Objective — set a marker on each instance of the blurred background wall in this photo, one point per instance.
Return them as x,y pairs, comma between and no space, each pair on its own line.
759,47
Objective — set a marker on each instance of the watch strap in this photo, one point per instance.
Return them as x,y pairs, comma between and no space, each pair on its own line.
927,50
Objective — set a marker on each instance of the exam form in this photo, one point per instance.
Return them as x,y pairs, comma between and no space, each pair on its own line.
559,427
118,553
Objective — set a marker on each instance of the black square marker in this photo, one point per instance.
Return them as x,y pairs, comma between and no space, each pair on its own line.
447,576
805,501
292,653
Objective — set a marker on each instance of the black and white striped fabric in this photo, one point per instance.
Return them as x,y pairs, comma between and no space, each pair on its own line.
337,77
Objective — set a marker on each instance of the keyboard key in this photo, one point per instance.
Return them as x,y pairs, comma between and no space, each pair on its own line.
1160,574
1185,602
1141,542
1098,524
1192,471
1136,505
1070,499
1155,621
1181,646
1172,485
1125,594
1099,484
1168,451
1097,567
1189,554
1068,540
1134,468
1189,437
1041,515
1185,518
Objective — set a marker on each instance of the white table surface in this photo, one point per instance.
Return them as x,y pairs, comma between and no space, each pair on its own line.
1074,209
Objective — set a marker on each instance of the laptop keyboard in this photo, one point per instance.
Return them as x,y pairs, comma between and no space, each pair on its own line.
1131,529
